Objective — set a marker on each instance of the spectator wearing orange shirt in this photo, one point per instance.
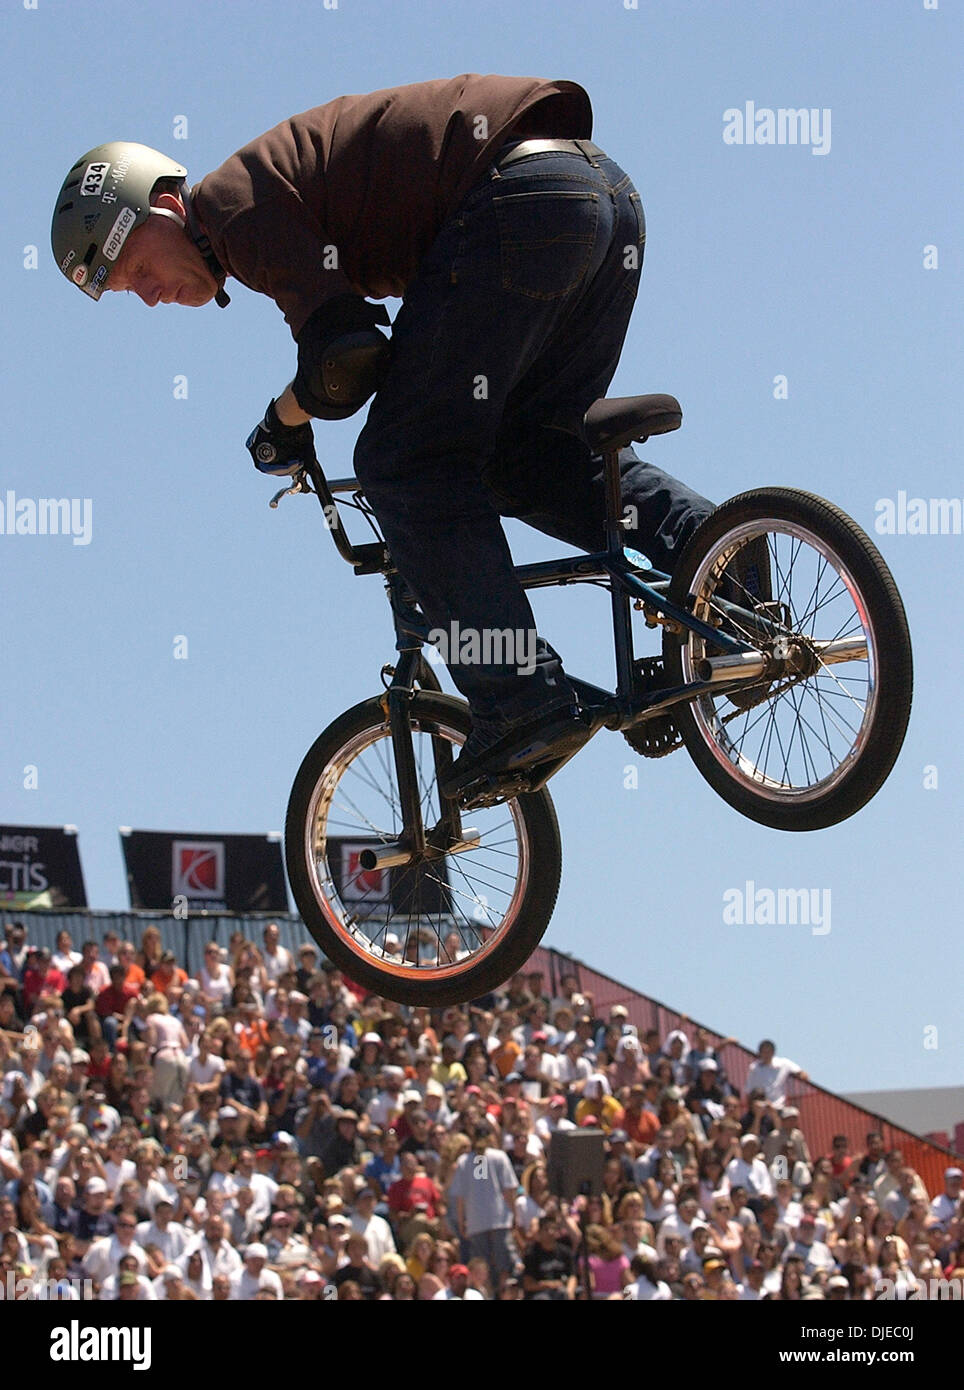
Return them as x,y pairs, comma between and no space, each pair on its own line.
640,1120
133,974
506,1053
167,977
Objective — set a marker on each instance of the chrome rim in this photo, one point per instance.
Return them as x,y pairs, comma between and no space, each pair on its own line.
806,733
446,916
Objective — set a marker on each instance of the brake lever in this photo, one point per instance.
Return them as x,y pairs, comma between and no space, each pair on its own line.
297,486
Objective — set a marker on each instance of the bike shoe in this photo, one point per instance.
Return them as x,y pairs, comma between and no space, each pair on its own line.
747,581
494,749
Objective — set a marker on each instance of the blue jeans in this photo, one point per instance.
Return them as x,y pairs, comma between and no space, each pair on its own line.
510,330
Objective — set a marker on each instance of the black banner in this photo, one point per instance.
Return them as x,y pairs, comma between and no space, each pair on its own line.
168,870
380,893
40,867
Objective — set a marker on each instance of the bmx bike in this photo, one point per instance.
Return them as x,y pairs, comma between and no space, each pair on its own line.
792,702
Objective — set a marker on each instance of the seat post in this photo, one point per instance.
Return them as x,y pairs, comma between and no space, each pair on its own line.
622,613
614,500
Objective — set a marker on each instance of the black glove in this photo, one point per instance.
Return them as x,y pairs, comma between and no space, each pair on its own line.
279,449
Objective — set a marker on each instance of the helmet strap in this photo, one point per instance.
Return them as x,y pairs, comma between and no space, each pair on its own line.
166,212
198,236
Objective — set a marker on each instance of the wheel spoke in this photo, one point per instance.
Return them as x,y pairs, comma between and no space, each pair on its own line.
799,739
446,912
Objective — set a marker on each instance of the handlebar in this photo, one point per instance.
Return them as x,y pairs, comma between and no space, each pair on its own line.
364,559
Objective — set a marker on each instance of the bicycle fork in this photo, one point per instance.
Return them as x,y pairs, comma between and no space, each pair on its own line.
415,843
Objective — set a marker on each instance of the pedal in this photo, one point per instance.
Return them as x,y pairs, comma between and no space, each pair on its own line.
659,736
655,738
492,791
650,673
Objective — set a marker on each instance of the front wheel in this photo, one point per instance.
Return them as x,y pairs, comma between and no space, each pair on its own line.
815,738
441,931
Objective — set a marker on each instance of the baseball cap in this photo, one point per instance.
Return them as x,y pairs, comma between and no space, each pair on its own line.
96,1185
371,1038
837,1281
227,1112
256,1251
459,1269
79,1055
952,1173
708,1064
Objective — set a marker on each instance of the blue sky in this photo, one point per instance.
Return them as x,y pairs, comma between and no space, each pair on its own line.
760,260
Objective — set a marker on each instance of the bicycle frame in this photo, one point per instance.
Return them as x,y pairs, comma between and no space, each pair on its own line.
628,705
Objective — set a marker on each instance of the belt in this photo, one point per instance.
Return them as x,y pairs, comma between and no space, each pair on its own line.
530,147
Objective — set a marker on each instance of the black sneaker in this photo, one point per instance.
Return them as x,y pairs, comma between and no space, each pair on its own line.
747,580
748,583
495,749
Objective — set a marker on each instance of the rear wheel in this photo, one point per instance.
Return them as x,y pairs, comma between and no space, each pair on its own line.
441,931
815,738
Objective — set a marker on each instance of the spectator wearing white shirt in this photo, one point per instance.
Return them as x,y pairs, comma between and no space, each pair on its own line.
276,959
64,955
219,1257
205,1067
554,1119
947,1204
749,1171
254,1276
573,1067
646,1287
168,1235
680,1222
814,1254
752,1290
771,1074
263,1186
103,1257
677,1049
375,1229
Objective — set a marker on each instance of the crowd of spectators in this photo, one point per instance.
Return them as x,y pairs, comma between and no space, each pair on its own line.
262,1130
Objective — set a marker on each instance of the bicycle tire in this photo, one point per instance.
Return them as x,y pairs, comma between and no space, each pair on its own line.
322,908
865,582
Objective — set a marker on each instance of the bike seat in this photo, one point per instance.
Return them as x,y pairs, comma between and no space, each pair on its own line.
612,424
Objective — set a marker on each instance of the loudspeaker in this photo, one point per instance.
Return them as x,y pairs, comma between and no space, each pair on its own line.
576,1158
